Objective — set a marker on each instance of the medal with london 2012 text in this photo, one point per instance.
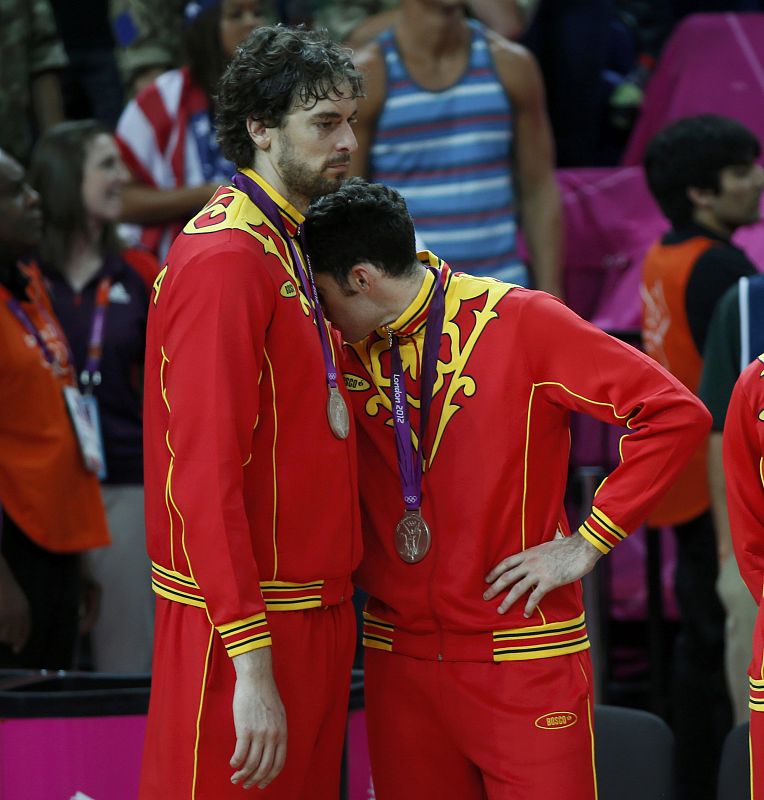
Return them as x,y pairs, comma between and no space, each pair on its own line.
412,533
412,537
337,412
336,409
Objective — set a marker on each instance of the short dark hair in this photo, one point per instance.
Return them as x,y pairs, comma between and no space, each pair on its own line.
360,222
56,172
692,153
276,69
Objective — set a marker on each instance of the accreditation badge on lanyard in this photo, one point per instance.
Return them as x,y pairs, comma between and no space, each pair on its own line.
83,412
88,415
85,423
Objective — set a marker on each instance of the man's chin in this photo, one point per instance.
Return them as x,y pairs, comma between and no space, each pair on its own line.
353,336
327,186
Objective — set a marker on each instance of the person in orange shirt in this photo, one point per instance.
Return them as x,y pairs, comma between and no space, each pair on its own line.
703,173
51,504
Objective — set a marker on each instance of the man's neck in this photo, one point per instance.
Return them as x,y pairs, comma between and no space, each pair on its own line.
267,170
430,32
11,276
84,261
712,223
402,292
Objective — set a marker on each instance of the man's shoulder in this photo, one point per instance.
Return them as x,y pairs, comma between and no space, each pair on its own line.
751,384
728,255
515,65
232,221
675,249
529,307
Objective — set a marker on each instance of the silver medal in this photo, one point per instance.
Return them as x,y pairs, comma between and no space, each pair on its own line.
337,412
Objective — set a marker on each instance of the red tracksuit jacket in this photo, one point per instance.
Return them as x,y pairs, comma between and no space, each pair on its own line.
250,499
744,471
512,366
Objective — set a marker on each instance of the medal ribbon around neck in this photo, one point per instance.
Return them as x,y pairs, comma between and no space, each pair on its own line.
266,204
410,462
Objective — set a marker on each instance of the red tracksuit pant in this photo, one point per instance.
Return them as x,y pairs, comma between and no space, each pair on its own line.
190,736
757,755
518,730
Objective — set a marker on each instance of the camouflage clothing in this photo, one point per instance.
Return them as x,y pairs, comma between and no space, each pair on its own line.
29,45
148,33
341,17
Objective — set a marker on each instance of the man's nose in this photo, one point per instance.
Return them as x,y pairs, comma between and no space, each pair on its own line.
31,196
347,141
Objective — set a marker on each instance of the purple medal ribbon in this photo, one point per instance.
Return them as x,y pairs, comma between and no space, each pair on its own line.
411,463
266,204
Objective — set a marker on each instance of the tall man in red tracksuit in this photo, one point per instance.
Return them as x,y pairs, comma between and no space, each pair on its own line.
473,690
252,515
744,469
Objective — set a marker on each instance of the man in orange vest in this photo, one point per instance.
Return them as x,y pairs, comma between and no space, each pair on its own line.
703,173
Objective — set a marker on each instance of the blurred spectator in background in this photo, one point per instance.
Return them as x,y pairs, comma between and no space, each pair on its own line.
91,84
32,57
575,42
167,134
703,173
51,506
102,304
454,119
354,22
735,337
357,22
149,37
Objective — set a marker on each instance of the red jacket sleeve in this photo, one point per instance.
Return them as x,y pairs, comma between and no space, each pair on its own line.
218,309
743,451
578,366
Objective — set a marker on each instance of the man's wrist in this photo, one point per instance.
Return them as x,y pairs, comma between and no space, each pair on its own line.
254,663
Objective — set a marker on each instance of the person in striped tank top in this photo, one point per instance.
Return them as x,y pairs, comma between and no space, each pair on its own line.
455,120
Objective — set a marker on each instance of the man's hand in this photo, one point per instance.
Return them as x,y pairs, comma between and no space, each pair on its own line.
540,569
15,621
259,720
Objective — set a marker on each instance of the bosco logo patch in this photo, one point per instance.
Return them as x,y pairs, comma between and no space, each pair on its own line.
556,720
356,384
288,289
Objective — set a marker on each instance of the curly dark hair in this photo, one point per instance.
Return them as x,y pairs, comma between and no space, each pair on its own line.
360,222
276,69
692,152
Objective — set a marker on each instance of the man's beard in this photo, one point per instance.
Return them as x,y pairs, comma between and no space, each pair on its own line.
304,181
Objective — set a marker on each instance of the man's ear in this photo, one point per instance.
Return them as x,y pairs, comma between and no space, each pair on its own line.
701,198
258,133
363,277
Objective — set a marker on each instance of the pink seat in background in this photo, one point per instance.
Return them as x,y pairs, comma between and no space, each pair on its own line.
713,63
